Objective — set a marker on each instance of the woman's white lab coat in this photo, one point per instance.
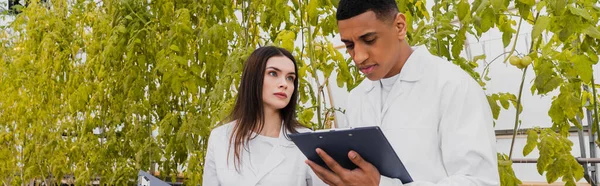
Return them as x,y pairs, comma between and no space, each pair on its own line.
284,164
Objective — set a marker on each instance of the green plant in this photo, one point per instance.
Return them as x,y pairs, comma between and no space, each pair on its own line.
104,89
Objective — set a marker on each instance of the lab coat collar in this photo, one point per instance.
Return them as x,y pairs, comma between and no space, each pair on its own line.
284,140
412,70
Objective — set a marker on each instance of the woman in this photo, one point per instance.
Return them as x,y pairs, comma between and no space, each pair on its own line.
254,149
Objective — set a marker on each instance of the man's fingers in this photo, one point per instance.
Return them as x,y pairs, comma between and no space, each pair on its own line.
317,169
358,160
331,163
327,176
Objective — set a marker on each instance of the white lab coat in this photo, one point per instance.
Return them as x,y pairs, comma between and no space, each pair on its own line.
284,164
437,119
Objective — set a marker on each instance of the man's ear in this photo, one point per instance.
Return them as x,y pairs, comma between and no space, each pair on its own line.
400,25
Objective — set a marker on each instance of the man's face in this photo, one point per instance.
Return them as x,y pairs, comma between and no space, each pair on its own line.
373,44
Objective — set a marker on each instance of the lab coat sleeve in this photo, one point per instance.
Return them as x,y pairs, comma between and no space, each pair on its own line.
385,181
467,139
312,179
209,177
309,178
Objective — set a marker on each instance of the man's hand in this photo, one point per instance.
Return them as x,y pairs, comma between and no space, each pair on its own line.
365,175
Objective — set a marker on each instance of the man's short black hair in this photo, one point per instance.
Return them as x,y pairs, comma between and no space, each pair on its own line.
383,9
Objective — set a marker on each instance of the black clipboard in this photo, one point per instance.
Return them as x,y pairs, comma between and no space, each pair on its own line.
369,142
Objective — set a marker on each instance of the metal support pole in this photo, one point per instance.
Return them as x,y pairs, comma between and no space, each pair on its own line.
592,146
586,173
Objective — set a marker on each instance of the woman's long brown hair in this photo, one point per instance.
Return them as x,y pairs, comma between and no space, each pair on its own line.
248,111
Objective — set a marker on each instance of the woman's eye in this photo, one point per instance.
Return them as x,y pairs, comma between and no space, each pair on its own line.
272,74
290,78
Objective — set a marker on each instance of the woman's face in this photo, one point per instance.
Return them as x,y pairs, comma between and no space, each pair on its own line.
278,84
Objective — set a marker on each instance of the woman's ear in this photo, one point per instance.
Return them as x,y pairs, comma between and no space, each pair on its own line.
400,25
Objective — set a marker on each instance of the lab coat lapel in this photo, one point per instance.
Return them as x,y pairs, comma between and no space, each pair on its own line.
396,91
374,96
275,157
411,72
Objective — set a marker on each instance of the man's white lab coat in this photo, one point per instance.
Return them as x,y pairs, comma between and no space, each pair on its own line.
437,119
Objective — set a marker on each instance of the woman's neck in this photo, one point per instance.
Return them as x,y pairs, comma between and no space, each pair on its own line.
272,126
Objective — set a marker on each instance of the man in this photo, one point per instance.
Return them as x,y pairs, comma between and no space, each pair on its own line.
435,116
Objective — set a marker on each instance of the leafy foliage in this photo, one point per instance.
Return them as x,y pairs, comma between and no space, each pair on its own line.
103,89
555,155
507,174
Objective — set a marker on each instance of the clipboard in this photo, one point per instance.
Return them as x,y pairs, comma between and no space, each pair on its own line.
369,142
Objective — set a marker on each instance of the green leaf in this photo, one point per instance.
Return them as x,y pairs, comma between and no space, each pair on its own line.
592,31
122,29
296,3
409,22
557,7
458,44
507,174
480,6
524,8
507,33
540,5
176,86
463,9
312,11
287,39
578,171
540,25
307,115
504,102
422,9
498,5
479,57
506,38
487,20
444,33
551,176
593,57
532,137
340,80
174,48
580,12
547,83
543,161
565,33
494,106
444,49
302,71
583,65
528,2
